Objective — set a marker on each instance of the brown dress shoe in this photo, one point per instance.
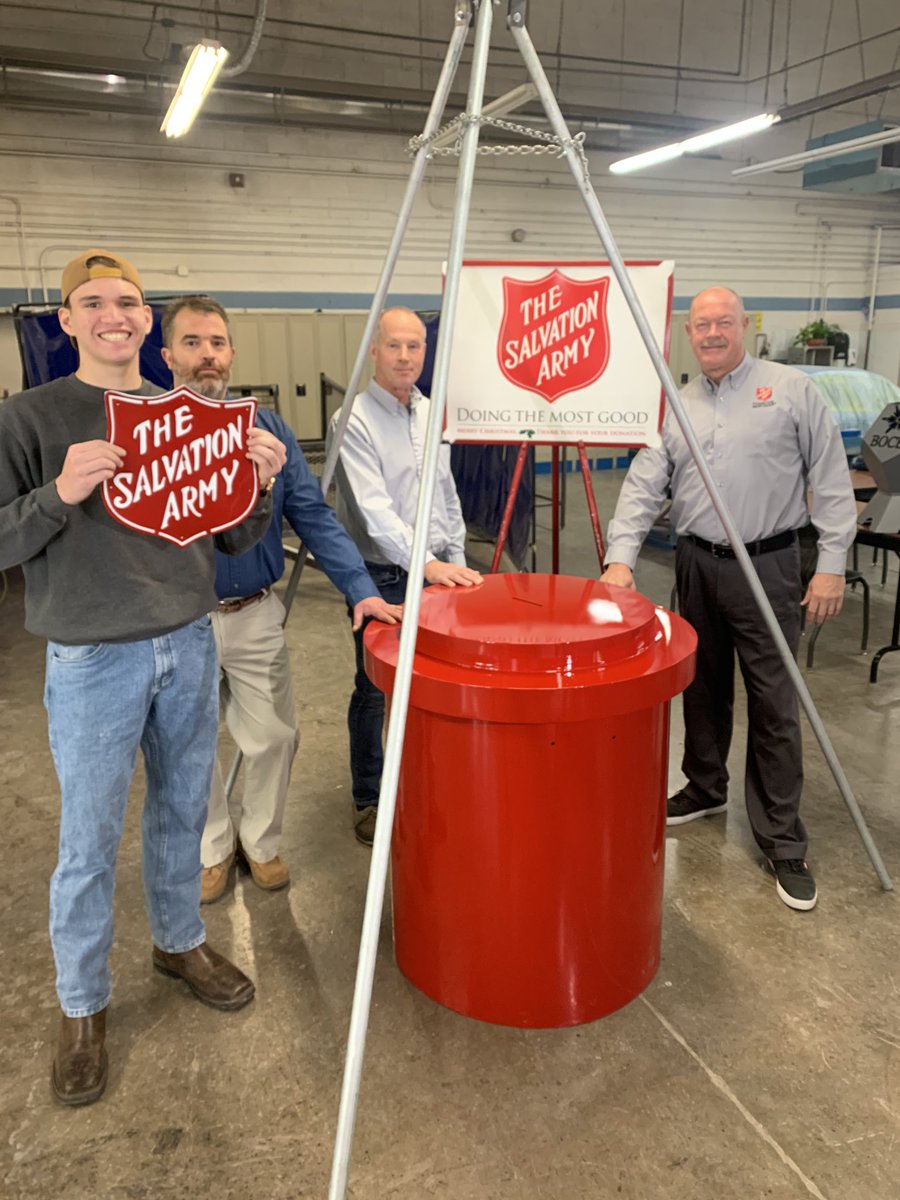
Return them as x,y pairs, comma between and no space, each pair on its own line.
271,875
214,880
364,822
212,978
80,1066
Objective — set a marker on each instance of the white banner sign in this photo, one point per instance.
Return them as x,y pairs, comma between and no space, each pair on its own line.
549,352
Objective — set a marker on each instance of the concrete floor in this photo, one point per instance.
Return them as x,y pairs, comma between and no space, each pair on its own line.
762,1061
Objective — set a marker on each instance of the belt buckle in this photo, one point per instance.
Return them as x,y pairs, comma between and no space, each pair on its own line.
722,551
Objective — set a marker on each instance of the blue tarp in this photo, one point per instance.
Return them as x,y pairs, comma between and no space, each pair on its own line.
855,397
47,353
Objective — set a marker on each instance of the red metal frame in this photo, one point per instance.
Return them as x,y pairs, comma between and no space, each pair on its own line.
515,484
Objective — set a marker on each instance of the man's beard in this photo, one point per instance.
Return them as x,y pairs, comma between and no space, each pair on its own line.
213,388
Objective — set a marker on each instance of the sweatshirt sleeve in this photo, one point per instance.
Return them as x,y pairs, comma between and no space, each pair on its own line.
31,512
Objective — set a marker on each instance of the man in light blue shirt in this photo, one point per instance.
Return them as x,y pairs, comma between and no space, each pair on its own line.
378,475
767,438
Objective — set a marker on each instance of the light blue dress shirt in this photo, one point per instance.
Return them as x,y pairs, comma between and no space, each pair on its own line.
378,475
767,437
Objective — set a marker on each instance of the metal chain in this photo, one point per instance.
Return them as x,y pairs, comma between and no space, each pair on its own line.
549,142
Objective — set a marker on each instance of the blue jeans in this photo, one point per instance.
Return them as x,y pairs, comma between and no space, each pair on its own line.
103,701
365,716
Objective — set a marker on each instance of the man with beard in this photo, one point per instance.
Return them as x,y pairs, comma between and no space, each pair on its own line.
253,658
767,438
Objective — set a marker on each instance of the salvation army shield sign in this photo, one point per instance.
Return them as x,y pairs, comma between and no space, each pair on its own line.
550,352
554,334
186,473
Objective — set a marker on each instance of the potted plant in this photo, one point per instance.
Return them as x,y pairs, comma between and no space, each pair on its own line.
817,333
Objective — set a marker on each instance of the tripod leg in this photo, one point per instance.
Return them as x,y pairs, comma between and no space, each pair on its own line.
362,995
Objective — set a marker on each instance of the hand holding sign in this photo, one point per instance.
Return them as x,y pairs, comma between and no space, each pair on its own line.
265,450
87,464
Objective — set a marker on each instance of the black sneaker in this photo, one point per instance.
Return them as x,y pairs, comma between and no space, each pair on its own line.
682,808
794,883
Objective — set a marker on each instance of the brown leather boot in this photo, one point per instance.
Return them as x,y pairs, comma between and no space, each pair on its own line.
271,876
212,978
214,880
80,1066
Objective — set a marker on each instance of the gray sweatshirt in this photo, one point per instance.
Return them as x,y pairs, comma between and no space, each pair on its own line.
87,578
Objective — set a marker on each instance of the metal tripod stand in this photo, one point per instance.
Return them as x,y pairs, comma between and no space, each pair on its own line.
480,13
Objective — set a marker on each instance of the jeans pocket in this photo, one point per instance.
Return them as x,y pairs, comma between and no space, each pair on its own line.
204,622
74,654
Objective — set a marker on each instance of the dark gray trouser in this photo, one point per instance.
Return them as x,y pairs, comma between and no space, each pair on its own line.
713,595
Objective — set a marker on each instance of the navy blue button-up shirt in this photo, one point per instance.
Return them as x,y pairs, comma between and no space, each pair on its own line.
298,497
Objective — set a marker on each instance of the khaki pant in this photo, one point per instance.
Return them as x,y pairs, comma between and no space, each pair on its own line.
258,706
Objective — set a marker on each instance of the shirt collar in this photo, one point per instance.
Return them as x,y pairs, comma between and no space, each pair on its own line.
390,403
734,379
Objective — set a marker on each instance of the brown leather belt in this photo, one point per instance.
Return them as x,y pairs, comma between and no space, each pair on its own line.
239,602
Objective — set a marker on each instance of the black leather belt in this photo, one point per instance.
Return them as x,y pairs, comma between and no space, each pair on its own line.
239,602
778,541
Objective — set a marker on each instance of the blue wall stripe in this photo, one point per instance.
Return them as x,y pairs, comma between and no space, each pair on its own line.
423,301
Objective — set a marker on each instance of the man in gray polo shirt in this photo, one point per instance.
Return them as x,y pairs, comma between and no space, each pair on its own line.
767,437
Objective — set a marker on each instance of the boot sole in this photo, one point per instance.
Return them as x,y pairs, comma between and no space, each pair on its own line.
270,887
793,901
695,816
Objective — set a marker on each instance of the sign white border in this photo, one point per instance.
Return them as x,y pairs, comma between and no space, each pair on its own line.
621,407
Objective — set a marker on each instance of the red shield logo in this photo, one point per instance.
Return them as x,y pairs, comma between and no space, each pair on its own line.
763,394
554,336
186,473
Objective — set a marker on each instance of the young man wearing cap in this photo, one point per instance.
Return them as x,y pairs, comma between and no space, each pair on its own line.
130,663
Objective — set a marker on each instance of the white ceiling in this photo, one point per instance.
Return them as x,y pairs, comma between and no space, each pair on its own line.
633,73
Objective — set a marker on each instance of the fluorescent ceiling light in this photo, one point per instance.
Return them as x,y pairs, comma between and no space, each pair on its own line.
693,145
834,150
206,61
729,133
649,158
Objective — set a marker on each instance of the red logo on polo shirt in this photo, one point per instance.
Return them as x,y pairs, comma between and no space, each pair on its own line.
763,394
186,472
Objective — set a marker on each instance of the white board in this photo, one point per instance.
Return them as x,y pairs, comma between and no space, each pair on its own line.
549,352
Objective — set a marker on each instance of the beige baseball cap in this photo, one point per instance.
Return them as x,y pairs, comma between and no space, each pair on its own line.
78,271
